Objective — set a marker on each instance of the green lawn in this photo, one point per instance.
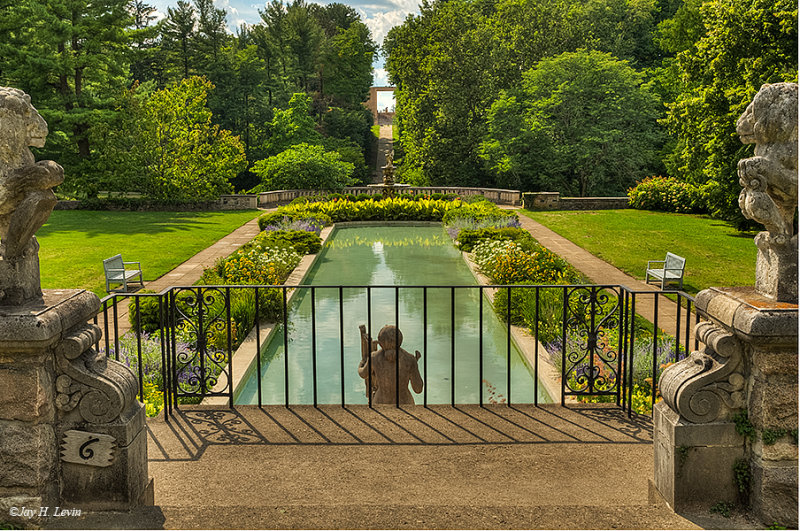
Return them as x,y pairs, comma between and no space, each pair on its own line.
716,253
74,243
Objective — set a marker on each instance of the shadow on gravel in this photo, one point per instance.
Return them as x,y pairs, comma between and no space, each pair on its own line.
191,430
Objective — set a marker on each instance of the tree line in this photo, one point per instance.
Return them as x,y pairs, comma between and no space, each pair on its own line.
181,108
584,97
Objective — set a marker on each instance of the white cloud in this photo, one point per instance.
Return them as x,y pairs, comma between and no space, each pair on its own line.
381,22
380,77
409,6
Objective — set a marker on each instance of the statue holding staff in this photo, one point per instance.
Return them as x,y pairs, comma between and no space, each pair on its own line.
384,357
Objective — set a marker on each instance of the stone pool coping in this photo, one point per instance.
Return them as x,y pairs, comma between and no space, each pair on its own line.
244,359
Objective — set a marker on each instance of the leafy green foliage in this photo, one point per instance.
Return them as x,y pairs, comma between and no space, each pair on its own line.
396,209
303,242
590,120
292,126
741,46
452,61
71,57
468,238
665,194
187,156
722,508
771,435
91,68
742,476
304,166
743,426
276,218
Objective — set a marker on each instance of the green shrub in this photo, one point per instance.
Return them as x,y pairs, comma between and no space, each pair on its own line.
304,166
282,216
149,308
478,211
665,194
388,209
468,238
302,241
523,310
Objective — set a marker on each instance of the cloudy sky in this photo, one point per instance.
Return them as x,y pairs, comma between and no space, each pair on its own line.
379,15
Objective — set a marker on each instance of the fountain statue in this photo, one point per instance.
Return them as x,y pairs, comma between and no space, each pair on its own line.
382,359
388,187
388,170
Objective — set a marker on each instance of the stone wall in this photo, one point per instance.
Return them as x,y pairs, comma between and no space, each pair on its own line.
554,201
225,202
238,202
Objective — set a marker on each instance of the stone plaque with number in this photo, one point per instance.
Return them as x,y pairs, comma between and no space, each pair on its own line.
82,447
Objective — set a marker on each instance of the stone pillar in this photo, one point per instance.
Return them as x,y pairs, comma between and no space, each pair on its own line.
53,387
745,376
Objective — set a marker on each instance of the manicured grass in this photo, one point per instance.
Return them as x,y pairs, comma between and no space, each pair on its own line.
716,253
73,243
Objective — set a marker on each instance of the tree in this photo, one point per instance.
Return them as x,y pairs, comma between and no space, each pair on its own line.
588,126
304,166
444,65
70,56
179,35
143,42
305,37
186,156
291,126
744,44
211,34
347,63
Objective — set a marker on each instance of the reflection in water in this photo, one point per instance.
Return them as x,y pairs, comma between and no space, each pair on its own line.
360,256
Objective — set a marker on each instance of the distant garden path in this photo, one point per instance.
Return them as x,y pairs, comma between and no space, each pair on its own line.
601,272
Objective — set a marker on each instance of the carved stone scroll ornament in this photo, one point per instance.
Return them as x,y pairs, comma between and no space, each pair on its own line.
98,388
769,181
707,385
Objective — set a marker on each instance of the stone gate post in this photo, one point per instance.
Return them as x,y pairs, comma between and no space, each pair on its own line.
726,430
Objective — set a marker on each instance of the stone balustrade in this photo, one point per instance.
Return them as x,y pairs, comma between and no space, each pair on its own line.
502,197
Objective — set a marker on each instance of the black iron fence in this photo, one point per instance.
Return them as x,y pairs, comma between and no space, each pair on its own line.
301,344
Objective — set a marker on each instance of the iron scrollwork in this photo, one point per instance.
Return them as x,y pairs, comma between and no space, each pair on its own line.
591,363
202,330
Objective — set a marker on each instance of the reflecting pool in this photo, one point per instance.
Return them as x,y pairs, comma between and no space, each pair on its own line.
399,255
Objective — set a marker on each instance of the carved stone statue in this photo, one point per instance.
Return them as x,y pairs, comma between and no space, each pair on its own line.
384,362
769,180
26,198
388,170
